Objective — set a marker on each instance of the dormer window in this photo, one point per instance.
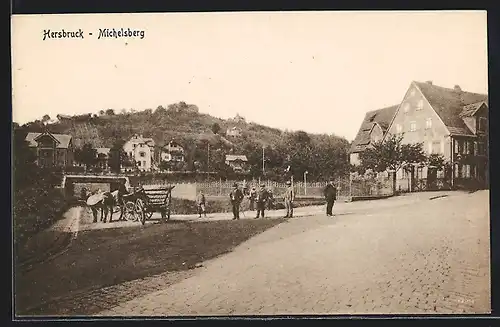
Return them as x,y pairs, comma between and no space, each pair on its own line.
420,105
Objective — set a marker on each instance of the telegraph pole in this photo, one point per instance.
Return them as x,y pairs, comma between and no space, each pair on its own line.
208,157
263,162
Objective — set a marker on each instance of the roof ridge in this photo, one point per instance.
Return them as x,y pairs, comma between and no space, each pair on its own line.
449,89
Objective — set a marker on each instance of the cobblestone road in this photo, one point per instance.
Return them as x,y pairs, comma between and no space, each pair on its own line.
426,257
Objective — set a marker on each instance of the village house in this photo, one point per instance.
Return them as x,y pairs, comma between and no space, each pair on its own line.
51,150
233,131
237,162
140,151
449,122
103,158
172,152
373,129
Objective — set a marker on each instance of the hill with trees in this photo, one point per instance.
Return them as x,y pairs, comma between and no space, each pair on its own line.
205,141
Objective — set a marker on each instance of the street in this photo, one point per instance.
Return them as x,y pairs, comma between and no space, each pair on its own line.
429,256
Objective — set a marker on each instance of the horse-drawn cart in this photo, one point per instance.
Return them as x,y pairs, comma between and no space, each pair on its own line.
141,203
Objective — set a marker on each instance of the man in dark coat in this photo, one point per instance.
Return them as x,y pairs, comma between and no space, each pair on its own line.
262,197
330,193
236,197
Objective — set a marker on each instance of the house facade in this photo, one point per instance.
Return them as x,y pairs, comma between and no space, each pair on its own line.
51,150
172,152
449,122
140,151
103,158
238,163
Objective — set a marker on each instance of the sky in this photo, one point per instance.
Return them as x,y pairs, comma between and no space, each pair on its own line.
314,71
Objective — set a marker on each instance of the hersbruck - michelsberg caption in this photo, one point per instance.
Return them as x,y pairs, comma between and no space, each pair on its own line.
61,34
119,33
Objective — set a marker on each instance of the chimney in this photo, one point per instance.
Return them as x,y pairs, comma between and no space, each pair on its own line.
457,88
429,82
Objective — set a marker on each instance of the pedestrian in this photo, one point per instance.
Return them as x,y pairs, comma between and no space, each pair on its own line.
236,197
289,198
270,200
252,196
330,193
201,202
262,197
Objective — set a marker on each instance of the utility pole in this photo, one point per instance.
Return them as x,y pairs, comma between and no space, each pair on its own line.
305,182
263,162
208,157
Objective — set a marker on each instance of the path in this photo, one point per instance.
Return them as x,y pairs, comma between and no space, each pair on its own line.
421,257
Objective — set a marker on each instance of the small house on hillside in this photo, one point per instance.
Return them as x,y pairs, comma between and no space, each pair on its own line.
237,162
172,152
140,150
233,131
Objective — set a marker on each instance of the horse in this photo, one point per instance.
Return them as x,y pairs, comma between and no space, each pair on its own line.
106,205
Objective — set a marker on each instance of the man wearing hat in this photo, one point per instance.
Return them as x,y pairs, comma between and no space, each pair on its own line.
289,198
330,193
236,197
262,197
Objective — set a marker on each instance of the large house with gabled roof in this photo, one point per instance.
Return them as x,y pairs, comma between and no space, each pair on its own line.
51,150
448,121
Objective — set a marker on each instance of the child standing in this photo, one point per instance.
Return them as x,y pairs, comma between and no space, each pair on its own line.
201,202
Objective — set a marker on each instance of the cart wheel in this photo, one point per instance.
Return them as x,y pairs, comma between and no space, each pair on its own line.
129,213
139,209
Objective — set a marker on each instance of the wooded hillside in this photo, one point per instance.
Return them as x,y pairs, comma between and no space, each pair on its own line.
323,156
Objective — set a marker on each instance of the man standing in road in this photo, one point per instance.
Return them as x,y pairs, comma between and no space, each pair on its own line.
201,202
236,197
289,198
262,197
330,193
252,196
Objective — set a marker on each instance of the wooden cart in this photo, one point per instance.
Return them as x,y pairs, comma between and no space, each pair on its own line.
143,202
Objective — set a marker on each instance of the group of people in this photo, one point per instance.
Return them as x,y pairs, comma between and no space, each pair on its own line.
260,199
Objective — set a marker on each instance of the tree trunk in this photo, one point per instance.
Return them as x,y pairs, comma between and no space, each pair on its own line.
394,182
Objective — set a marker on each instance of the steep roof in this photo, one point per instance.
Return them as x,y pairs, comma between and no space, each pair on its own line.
63,139
382,117
233,157
471,109
449,105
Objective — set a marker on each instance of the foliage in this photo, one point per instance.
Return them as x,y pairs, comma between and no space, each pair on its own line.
436,160
87,155
110,112
391,154
216,128
117,157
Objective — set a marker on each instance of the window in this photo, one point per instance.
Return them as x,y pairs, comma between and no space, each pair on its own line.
413,126
457,146
399,128
457,171
420,105
142,154
406,107
466,171
144,163
428,123
436,146
480,148
138,163
482,124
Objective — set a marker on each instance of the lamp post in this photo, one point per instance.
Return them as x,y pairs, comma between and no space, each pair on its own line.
305,182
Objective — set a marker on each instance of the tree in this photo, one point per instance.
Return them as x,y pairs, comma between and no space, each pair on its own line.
391,154
87,155
45,118
101,112
216,128
110,112
117,157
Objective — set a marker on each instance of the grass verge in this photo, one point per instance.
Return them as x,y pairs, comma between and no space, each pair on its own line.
100,258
